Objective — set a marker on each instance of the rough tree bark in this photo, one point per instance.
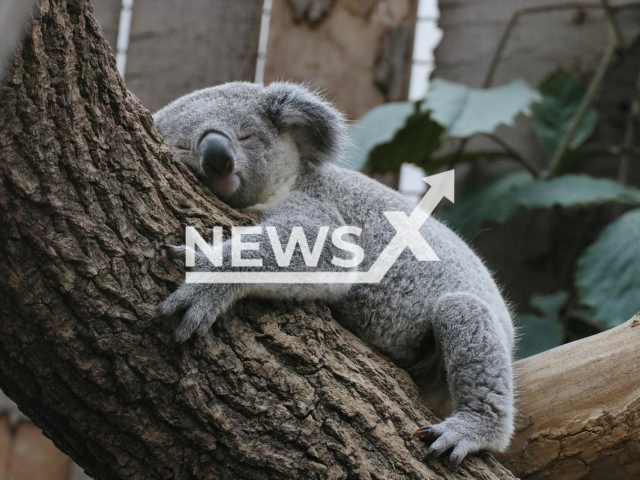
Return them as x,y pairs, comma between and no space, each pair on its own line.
580,410
87,193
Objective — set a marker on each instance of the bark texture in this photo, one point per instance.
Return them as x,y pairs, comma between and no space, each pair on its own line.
87,193
107,13
580,410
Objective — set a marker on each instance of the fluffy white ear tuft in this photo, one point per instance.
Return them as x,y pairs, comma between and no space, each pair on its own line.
317,128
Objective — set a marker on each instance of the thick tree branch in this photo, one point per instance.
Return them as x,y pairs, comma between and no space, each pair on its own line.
580,410
87,193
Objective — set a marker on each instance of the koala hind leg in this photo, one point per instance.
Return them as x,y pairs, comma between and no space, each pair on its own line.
477,362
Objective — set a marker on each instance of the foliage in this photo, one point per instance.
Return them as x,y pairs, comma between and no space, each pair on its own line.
402,132
419,137
607,275
377,126
499,199
561,94
465,111
489,202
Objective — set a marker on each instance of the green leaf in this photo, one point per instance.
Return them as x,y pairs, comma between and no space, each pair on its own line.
378,125
608,273
538,333
416,140
397,133
578,190
465,111
493,201
499,199
561,94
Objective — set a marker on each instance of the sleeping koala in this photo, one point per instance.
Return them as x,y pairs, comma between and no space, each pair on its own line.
274,148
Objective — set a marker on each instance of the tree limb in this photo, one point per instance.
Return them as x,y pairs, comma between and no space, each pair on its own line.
87,193
580,409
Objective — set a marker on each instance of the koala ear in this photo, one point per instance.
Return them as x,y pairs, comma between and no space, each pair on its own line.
316,126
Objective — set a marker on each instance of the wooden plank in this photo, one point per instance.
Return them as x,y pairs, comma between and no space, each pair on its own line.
177,47
358,54
540,42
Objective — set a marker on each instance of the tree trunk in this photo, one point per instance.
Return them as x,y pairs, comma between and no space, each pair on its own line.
87,193
580,410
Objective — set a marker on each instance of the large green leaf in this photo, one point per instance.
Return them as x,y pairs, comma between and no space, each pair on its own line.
608,273
465,111
378,125
499,199
538,333
577,190
561,94
416,140
397,133
493,201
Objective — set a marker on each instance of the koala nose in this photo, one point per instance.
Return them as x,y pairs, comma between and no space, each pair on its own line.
216,155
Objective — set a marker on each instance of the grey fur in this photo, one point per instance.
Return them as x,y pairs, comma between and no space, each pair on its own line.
445,322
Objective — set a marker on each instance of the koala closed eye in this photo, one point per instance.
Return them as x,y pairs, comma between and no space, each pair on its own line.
245,137
182,145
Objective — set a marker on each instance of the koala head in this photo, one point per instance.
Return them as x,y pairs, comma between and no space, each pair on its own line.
248,141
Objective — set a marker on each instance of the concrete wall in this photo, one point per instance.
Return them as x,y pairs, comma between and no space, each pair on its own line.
541,42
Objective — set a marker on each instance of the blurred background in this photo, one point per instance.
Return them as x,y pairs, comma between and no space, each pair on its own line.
534,103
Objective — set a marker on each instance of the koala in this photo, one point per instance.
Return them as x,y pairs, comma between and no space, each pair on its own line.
276,149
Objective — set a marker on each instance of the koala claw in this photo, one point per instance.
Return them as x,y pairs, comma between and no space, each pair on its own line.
424,432
198,305
447,436
197,320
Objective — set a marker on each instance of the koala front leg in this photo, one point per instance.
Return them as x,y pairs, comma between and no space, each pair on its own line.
479,375
202,303
199,303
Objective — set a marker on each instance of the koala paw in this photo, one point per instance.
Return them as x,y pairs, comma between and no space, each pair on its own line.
174,252
199,303
462,435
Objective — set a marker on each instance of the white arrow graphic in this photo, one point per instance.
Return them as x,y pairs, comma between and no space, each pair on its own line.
407,235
